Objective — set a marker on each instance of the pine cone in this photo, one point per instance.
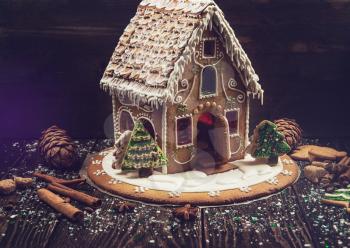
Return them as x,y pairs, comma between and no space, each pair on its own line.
57,148
291,131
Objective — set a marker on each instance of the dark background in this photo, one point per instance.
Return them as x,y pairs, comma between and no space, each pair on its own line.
53,54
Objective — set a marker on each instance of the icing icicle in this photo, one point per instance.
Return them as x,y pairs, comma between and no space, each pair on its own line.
130,72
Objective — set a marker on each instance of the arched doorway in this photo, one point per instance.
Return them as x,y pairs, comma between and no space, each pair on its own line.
213,148
205,126
149,127
126,121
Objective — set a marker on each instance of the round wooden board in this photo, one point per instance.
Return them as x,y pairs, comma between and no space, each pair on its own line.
94,163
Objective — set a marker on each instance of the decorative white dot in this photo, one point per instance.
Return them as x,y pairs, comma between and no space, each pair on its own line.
287,173
96,162
245,189
113,181
99,172
272,180
214,193
141,189
174,194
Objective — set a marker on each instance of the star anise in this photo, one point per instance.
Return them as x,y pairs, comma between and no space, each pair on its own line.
186,213
124,207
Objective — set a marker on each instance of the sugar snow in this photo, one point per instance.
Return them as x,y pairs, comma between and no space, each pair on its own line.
249,172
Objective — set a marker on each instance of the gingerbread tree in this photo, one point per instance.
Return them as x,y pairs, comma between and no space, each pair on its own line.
142,153
268,142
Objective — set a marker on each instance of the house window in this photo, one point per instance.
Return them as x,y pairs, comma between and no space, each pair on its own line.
184,131
125,121
232,119
209,48
208,86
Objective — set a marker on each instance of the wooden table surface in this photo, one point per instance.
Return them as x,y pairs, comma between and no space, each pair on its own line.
292,218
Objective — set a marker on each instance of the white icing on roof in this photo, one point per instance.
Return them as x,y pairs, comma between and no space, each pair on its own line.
155,47
192,6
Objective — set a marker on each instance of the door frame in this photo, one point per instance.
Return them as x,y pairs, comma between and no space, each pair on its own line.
219,118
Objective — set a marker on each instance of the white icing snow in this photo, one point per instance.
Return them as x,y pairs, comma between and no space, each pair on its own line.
193,6
211,15
249,172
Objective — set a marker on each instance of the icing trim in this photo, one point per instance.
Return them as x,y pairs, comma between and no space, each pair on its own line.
232,84
193,154
201,96
164,136
215,48
238,110
154,96
140,117
120,110
176,138
185,86
247,122
195,78
115,122
239,147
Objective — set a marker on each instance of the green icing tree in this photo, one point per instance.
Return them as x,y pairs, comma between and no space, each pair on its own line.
142,151
268,142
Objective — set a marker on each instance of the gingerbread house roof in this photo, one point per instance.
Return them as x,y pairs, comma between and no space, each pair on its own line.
149,60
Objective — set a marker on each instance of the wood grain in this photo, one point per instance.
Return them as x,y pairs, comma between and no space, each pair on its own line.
292,218
272,222
326,222
30,223
149,226
11,152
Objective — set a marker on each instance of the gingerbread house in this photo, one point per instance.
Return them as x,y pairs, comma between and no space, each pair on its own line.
180,69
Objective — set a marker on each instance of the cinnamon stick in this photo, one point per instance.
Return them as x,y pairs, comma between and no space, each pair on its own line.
61,186
343,161
345,176
52,179
60,205
319,164
335,203
347,162
74,194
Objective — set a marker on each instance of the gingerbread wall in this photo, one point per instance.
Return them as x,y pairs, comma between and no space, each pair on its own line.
231,94
152,115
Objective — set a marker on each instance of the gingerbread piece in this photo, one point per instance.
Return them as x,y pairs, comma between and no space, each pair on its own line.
302,152
321,155
319,164
325,153
318,153
120,147
7,186
314,173
22,182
